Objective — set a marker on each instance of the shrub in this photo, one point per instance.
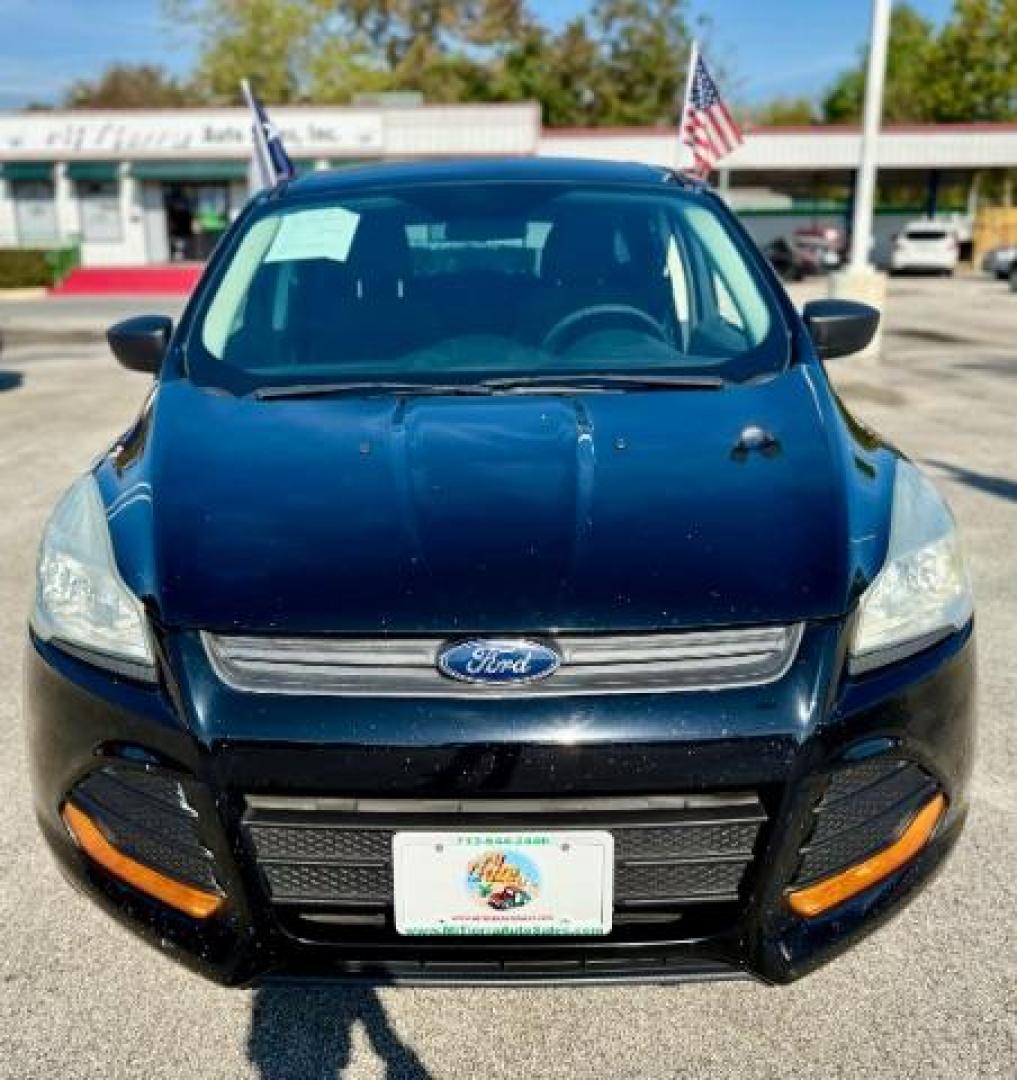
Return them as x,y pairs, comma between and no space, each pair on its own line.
23,268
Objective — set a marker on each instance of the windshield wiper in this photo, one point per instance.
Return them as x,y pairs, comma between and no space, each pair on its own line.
565,383
522,384
299,390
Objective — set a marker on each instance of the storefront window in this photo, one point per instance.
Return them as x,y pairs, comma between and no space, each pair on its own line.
99,203
35,212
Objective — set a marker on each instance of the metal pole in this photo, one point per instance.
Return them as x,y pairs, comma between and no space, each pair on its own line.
261,162
690,75
861,222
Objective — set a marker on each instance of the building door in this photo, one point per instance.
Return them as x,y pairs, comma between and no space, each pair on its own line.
196,216
99,206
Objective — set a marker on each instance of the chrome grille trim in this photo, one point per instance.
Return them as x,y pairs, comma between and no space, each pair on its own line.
591,664
408,808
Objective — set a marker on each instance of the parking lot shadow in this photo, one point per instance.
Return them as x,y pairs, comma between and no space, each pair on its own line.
302,1032
999,486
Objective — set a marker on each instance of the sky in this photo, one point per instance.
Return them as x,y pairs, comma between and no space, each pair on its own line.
771,47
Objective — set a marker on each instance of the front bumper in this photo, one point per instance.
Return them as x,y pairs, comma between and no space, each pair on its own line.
777,746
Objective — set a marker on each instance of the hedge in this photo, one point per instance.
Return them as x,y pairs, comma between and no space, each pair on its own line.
24,268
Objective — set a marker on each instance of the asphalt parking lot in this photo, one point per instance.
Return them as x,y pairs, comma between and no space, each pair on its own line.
933,994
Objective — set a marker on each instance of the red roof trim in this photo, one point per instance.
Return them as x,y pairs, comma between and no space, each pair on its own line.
803,129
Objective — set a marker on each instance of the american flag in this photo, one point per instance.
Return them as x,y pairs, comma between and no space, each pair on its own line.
271,159
707,127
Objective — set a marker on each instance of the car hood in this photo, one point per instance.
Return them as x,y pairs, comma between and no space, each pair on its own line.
619,511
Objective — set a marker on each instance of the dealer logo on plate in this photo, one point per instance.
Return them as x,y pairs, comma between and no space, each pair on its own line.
503,879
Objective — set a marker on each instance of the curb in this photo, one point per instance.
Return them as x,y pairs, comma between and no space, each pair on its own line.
36,293
11,336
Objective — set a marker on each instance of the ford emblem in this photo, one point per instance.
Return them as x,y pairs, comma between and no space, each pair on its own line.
498,662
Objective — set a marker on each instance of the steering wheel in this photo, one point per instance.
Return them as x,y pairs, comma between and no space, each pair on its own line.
565,328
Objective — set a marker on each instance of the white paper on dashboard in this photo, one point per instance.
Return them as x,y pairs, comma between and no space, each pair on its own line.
321,233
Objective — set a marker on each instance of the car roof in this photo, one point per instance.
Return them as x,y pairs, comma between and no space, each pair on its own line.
483,170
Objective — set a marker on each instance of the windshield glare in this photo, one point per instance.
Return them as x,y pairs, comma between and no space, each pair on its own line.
472,282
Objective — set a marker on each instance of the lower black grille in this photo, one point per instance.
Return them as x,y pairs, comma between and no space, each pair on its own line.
147,816
688,854
677,882
865,808
343,882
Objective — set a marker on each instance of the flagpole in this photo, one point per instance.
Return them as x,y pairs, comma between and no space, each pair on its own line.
865,184
693,60
261,157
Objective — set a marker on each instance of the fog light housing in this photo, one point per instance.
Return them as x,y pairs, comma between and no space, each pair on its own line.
192,901
819,897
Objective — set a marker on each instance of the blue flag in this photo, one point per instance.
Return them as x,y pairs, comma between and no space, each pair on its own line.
271,159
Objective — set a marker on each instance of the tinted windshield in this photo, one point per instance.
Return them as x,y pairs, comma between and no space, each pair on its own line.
464,283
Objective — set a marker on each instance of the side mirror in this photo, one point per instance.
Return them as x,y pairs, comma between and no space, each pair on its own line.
140,343
840,327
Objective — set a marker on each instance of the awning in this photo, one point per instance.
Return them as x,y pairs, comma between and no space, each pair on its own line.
93,170
189,171
27,170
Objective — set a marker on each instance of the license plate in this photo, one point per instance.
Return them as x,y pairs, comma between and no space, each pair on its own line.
518,883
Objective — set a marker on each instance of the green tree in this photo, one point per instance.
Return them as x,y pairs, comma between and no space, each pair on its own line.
909,57
267,41
968,71
560,71
130,86
338,70
574,77
621,64
974,64
330,50
785,112
642,71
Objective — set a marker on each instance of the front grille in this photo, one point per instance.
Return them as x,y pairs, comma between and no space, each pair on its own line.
668,852
662,882
147,816
590,664
864,809
345,882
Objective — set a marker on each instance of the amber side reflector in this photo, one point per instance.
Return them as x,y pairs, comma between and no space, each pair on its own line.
197,903
815,899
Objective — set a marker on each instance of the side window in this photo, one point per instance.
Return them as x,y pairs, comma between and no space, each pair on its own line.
679,279
726,280
726,308
281,299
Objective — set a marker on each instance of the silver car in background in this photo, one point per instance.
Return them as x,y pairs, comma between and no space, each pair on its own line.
1000,261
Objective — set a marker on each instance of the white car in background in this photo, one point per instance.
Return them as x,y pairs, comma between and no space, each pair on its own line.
925,245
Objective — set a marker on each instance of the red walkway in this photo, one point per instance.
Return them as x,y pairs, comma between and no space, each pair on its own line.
177,279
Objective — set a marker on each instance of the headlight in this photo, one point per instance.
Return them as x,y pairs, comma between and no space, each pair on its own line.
80,598
922,593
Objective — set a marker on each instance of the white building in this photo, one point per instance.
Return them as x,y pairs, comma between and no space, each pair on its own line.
137,187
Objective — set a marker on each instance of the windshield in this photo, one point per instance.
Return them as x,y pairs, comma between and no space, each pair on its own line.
466,283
